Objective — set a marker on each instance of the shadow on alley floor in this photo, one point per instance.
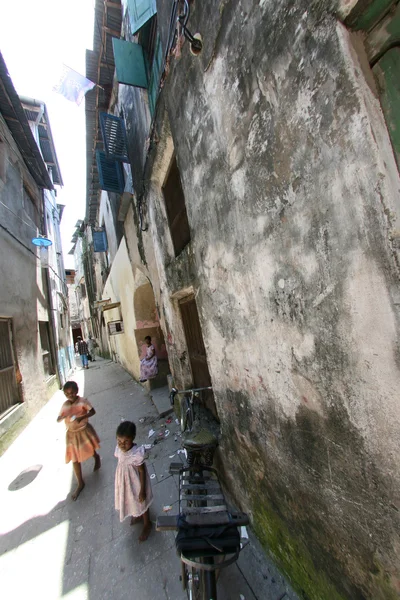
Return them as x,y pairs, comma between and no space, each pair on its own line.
54,548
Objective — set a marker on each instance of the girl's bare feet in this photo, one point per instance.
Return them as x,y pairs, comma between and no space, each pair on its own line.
145,532
77,491
135,520
97,462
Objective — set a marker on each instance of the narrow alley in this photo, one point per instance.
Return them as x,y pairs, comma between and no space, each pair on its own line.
54,548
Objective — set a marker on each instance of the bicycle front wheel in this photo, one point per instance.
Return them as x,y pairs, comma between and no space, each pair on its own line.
193,581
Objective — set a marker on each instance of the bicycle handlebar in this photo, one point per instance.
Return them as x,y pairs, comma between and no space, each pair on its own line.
174,392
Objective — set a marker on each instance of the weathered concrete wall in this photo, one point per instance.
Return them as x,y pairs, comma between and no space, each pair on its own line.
120,288
292,197
23,289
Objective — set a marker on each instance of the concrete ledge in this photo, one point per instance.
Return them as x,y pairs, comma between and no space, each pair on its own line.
11,417
160,398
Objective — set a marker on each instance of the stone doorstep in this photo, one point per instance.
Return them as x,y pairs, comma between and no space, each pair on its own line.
11,417
160,399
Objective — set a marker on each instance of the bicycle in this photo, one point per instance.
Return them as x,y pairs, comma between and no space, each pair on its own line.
199,435
208,539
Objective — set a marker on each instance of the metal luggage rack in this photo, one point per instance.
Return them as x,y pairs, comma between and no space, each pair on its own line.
201,500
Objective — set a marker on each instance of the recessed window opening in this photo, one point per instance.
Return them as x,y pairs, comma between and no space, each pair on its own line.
176,209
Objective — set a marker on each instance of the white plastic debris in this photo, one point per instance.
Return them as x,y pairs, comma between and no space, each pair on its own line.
243,533
242,597
151,433
147,446
172,455
167,508
141,420
166,432
177,421
79,529
152,476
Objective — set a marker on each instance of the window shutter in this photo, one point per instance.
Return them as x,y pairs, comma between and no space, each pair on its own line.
130,65
156,72
111,177
100,241
387,71
114,136
140,11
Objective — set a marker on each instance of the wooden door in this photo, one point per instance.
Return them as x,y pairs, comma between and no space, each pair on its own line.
196,349
8,384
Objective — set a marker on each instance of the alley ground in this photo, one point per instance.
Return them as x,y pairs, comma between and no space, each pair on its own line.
54,548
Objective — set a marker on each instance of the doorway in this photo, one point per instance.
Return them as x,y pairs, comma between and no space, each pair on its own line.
196,349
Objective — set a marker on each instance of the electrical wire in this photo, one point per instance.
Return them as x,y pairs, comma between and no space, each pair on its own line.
17,240
19,218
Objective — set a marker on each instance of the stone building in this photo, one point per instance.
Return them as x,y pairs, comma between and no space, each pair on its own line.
35,346
259,194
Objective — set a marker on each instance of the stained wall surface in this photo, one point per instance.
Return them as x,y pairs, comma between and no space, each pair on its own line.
292,195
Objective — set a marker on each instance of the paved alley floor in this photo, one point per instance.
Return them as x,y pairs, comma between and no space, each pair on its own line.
51,547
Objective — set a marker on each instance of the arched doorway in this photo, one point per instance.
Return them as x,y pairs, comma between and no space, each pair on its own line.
148,323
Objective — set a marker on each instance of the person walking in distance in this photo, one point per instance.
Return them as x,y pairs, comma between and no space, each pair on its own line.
91,345
83,352
82,439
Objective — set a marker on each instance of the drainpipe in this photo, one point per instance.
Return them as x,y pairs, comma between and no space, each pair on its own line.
52,310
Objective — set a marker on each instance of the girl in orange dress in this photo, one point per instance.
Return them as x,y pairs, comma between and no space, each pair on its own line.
82,440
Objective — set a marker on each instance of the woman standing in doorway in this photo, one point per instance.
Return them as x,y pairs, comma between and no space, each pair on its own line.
148,364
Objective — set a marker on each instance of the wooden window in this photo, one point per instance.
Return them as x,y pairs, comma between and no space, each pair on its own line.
115,327
111,176
380,22
155,75
140,11
114,136
8,384
46,350
176,209
100,241
130,65
31,208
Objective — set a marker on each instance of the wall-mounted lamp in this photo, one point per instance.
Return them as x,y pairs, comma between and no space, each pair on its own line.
43,243
196,43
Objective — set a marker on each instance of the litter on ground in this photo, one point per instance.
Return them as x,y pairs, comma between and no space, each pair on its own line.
152,476
151,433
167,508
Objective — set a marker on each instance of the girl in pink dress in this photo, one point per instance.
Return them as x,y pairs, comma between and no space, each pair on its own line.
148,364
133,494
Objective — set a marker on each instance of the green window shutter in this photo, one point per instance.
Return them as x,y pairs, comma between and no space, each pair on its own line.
387,71
140,11
156,72
111,176
130,65
114,136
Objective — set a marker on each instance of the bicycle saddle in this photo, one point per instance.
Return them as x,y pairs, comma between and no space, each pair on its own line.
200,439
